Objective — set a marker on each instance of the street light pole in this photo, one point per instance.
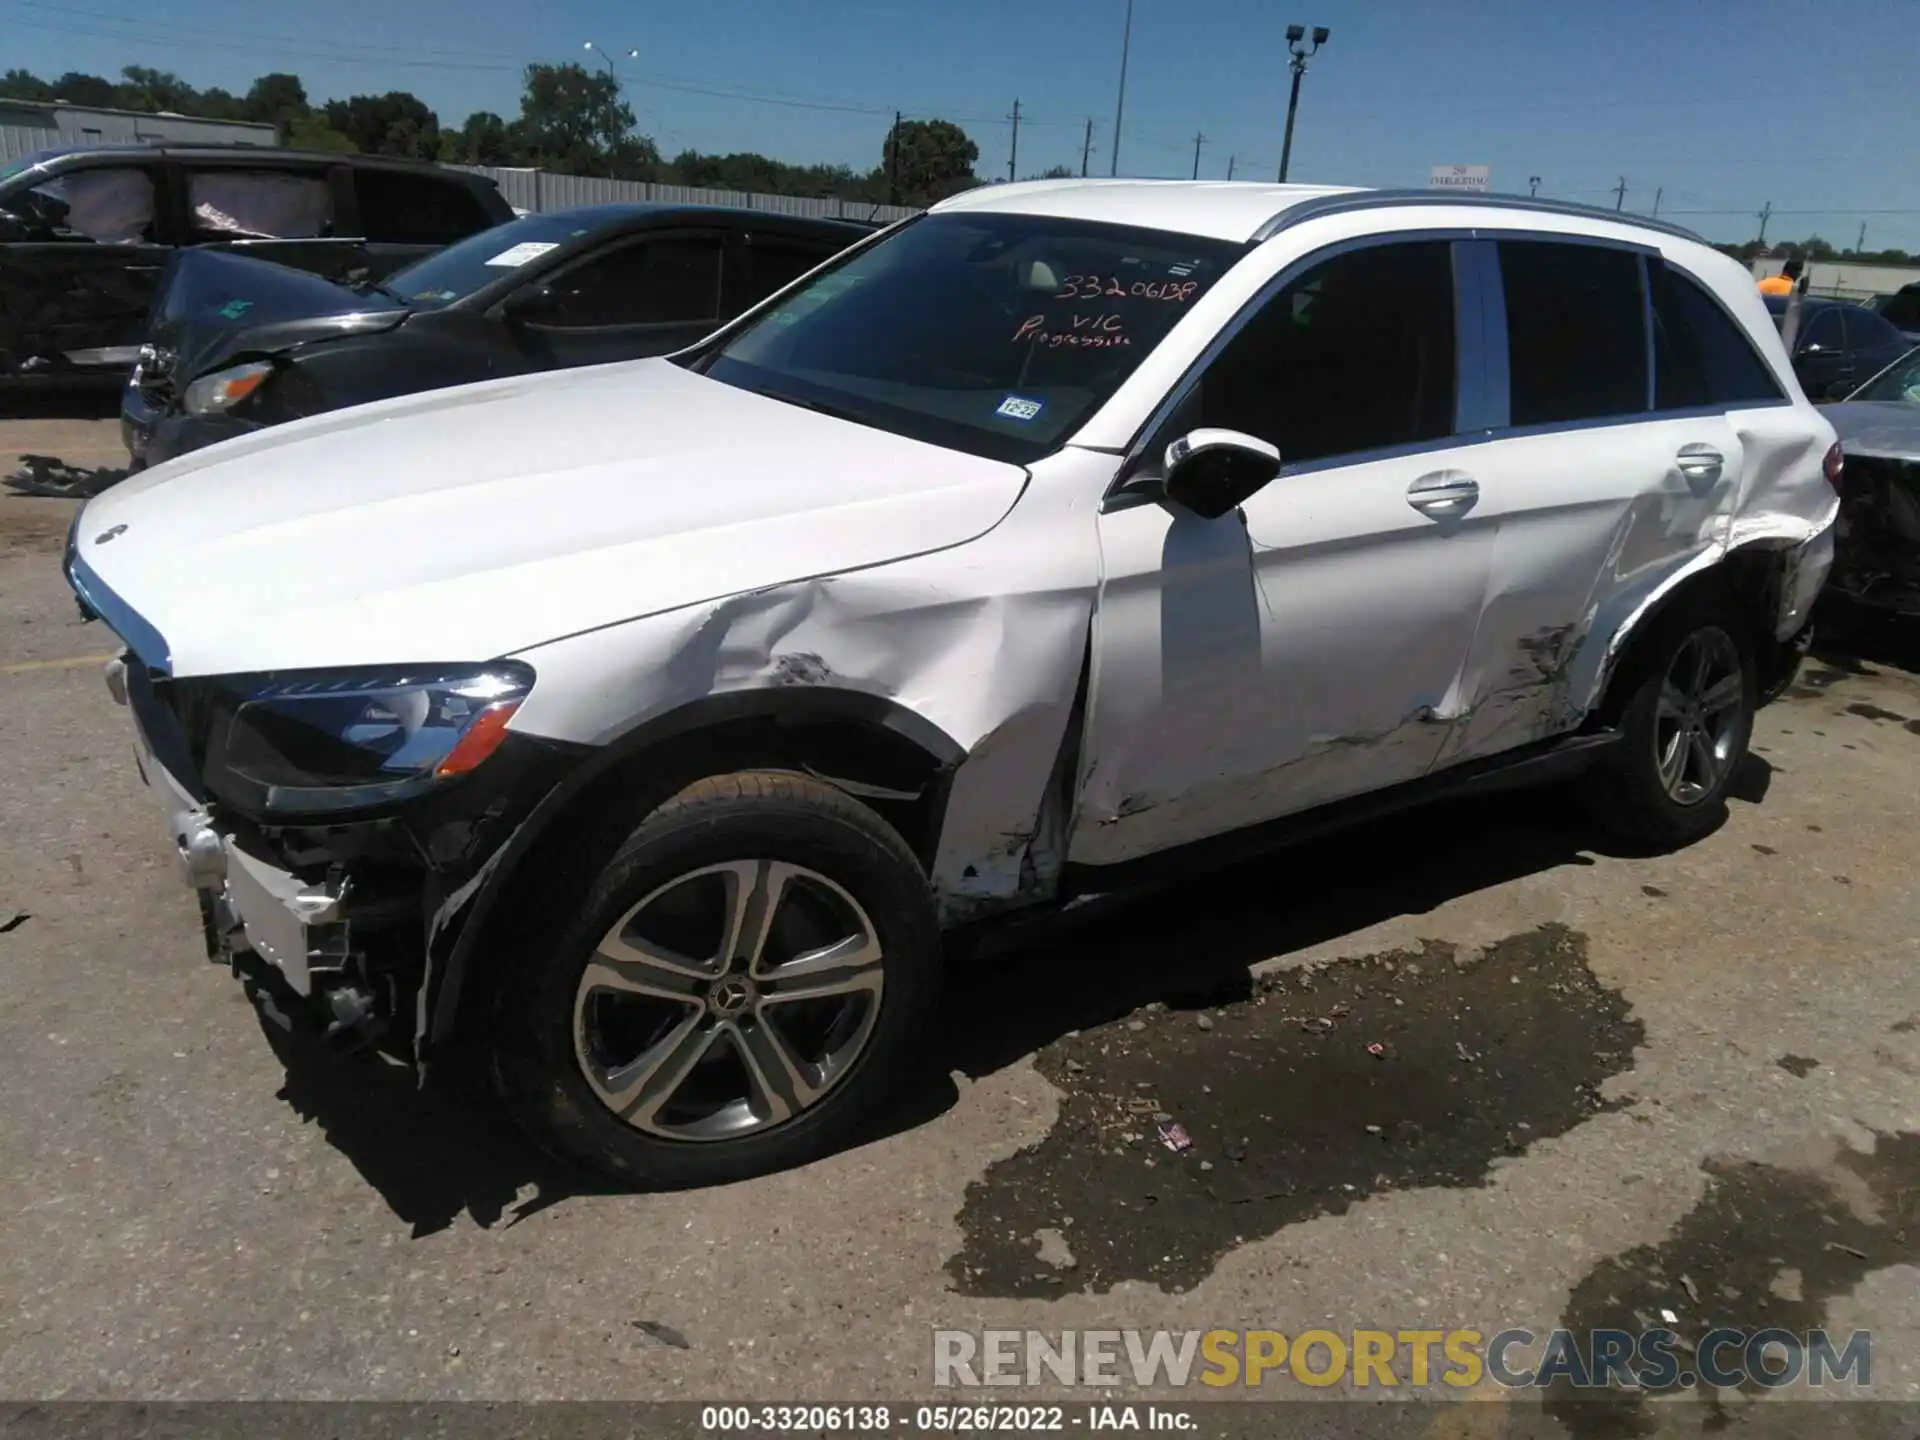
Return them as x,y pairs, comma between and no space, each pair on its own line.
612,98
1301,53
1120,104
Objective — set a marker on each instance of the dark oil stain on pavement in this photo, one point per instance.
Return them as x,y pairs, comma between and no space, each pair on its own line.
1768,1245
1389,1071
1798,1065
1874,712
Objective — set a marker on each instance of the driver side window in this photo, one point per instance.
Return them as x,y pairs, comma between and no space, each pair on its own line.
107,206
1355,354
664,280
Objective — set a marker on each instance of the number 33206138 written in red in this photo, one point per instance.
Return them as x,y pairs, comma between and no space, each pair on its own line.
1108,287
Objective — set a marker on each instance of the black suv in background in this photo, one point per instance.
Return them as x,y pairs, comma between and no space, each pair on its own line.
86,232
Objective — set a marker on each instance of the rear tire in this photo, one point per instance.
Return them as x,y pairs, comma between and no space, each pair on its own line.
1685,725
745,982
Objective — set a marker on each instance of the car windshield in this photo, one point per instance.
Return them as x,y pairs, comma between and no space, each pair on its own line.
465,266
1900,382
992,334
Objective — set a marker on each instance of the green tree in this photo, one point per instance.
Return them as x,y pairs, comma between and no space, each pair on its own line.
79,89
308,131
276,99
483,140
24,85
929,160
396,123
572,119
144,88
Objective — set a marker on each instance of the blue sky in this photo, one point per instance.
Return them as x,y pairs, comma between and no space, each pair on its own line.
1722,106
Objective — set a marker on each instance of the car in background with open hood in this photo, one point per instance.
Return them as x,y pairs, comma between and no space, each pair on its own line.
1876,561
236,345
86,234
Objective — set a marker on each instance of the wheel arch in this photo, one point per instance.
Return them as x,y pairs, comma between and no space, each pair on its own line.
894,760
1754,577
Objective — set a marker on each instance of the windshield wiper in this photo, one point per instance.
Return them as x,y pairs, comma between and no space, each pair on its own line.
375,287
817,406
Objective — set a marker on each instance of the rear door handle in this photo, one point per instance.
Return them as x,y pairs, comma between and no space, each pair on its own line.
1701,464
1444,493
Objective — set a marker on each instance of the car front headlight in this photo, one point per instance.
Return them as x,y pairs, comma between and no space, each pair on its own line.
303,742
224,389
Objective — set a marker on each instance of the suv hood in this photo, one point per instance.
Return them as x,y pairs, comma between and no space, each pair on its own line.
471,523
214,304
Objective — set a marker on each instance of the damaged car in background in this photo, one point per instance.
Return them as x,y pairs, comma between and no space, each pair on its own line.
237,344
86,234
644,733
1877,551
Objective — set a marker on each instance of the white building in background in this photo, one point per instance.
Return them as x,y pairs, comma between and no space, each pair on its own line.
119,127
1844,280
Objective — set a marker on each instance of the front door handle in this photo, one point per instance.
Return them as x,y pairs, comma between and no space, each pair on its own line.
1701,464
1443,494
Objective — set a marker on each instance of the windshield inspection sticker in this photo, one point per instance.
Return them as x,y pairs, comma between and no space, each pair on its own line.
517,255
1014,408
234,309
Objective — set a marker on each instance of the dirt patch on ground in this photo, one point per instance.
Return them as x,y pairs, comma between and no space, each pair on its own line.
1388,1071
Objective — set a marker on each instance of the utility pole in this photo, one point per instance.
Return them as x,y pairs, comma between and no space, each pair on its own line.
1013,155
1198,141
1230,160
893,161
1766,214
1295,34
1860,245
1533,186
1620,193
1120,104
1656,200
1086,148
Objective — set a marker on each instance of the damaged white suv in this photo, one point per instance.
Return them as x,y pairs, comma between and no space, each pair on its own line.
644,727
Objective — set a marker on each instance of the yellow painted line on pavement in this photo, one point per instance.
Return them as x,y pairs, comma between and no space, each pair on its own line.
72,662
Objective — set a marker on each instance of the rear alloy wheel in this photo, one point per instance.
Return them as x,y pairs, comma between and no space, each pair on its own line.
746,981
1684,729
1700,718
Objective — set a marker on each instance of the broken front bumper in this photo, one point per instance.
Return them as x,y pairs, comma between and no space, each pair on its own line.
249,902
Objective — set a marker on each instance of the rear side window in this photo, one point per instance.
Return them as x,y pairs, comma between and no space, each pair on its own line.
1867,331
1576,332
772,262
1701,356
259,204
403,207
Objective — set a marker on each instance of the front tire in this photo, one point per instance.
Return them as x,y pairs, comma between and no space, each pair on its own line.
744,983
1685,727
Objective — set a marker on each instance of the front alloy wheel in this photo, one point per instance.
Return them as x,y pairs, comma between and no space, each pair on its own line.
746,980
728,1000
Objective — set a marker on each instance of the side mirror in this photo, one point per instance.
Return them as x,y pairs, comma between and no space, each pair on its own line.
1211,471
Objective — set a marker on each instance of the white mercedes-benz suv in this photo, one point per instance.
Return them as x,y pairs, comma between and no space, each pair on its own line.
648,729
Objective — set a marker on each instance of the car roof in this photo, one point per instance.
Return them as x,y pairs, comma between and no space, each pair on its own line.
614,214
1244,211
1778,303
256,154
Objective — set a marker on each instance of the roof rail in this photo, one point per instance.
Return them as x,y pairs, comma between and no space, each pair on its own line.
1324,205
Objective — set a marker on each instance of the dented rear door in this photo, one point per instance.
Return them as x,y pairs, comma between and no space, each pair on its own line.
1611,471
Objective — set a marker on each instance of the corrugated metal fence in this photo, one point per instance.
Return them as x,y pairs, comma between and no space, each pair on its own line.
543,190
